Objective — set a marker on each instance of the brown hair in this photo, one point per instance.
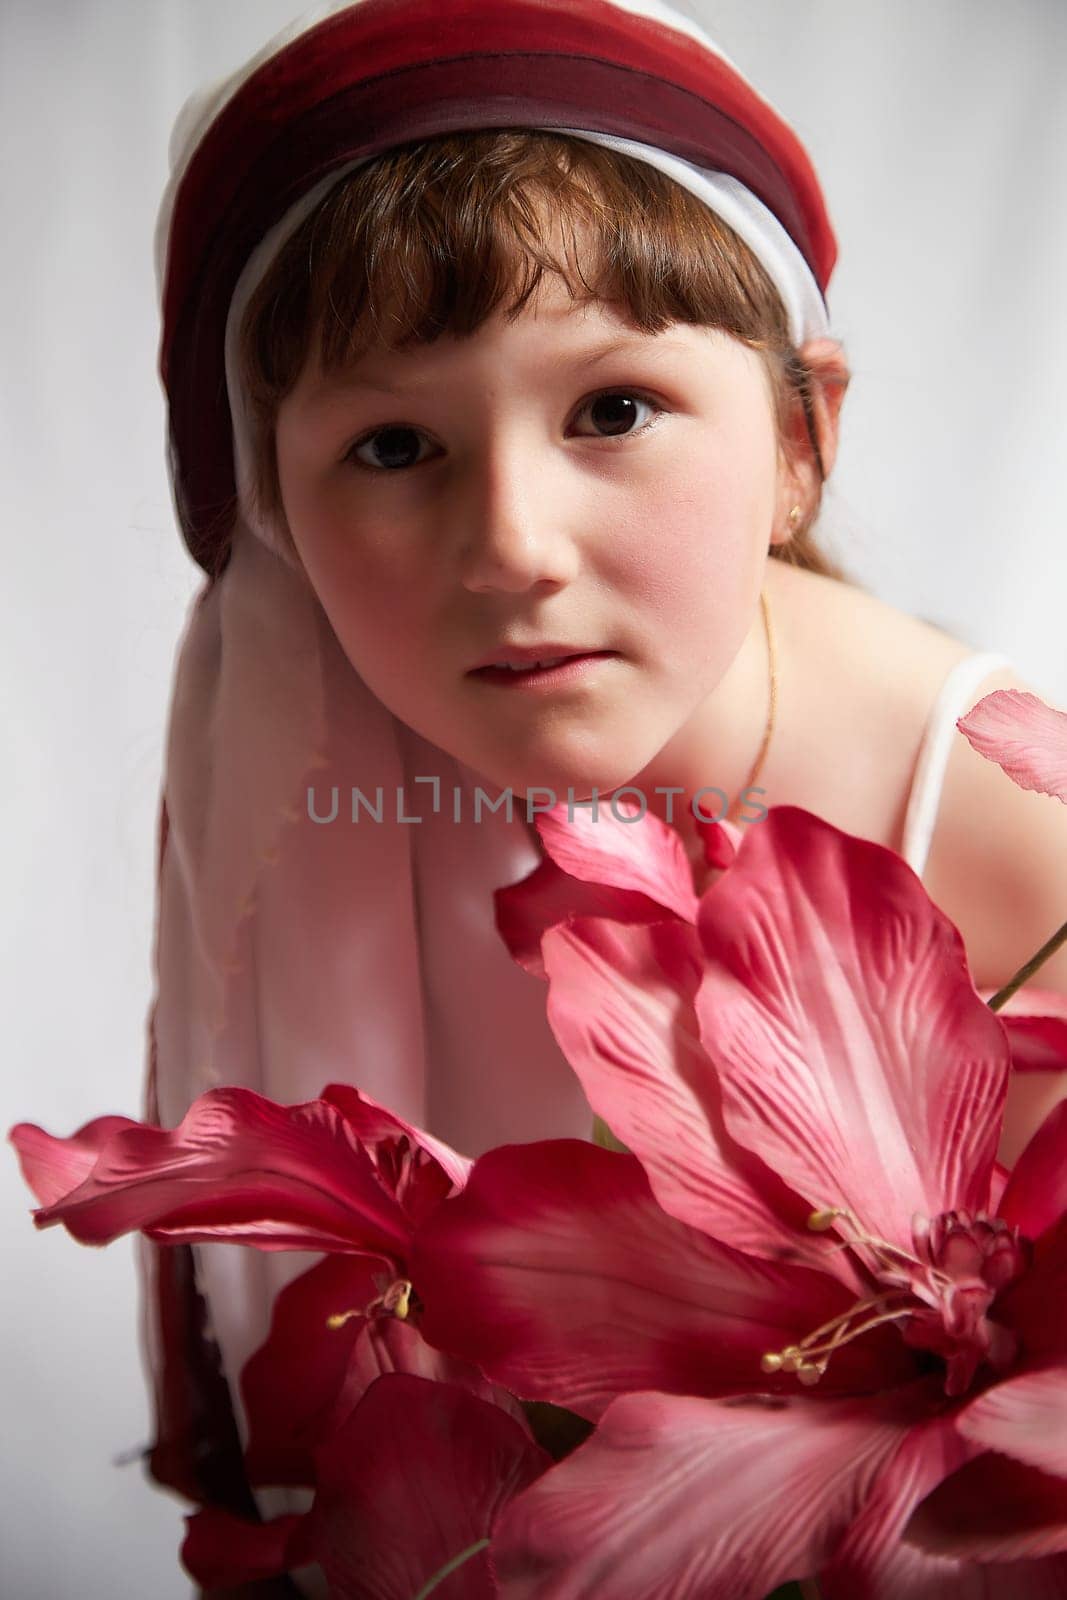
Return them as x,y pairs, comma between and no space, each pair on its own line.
430,237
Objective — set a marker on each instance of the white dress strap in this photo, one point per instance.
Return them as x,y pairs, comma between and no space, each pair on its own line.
956,698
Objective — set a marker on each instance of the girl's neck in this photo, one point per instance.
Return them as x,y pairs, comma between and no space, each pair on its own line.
717,747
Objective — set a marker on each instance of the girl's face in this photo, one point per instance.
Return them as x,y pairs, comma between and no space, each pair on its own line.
563,481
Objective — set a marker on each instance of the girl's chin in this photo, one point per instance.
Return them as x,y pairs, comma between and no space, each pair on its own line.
566,761
561,784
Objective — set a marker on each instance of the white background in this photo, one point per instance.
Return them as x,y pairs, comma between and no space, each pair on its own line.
940,130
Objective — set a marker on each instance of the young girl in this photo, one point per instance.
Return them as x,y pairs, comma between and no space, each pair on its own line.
495,336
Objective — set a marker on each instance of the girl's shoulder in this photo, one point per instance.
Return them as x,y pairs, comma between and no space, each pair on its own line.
859,680
872,677
866,679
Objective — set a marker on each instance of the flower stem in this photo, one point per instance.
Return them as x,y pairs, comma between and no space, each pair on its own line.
449,1567
1049,948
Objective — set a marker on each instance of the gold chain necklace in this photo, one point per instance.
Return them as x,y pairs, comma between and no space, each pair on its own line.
772,710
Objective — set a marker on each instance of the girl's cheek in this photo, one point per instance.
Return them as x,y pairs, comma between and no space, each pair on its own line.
354,554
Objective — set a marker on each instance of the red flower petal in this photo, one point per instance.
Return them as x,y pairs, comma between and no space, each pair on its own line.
676,1496
870,1563
527,910
418,1475
622,849
837,1005
388,1344
1036,1023
1036,1192
374,1124
242,1169
53,1167
1036,1305
1024,736
221,1550
557,1273
291,1384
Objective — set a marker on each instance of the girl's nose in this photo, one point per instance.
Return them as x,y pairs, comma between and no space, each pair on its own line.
514,527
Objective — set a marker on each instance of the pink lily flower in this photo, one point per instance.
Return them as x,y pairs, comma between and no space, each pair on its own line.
1024,736
812,1091
342,1368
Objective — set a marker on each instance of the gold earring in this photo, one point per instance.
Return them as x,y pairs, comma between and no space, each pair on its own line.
795,516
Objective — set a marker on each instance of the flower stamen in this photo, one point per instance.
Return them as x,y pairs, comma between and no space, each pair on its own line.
797,1358
339,1318
395,1300
942,1296
887,1256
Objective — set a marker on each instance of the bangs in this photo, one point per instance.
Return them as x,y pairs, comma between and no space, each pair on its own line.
434,238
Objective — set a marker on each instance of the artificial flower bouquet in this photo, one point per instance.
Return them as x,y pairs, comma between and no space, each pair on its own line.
789,1323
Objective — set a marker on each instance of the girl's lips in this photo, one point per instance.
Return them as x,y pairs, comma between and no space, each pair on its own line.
573,670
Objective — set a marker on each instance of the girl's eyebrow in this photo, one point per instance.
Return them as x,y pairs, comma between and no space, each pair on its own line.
351,380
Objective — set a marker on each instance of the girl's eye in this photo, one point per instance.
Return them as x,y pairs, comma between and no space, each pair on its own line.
392,449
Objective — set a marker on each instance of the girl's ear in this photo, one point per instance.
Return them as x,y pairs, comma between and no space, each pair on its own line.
800,478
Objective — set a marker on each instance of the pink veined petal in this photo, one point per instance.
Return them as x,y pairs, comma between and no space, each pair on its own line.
869,1563
418,1475
994,1509
1024,1417
54,1167
615,845
558,1275
239,1168
222,1550
619,1005
674,1497
838,1007
1024,736
1036,1193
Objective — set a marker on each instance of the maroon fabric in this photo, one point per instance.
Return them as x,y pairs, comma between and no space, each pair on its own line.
389,71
